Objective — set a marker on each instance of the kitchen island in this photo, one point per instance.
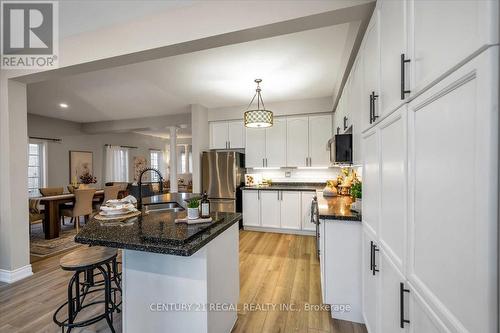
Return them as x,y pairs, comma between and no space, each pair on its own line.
175,277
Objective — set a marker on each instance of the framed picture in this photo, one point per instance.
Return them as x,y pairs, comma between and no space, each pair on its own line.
80,162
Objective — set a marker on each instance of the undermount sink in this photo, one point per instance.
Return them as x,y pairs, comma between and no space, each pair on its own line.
168,206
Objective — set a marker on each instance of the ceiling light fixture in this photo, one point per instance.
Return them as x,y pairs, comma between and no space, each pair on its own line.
258,118
63,105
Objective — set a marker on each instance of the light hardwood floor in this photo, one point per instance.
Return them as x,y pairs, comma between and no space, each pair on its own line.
274,269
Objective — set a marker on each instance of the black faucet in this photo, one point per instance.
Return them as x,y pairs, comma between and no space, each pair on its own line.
139,202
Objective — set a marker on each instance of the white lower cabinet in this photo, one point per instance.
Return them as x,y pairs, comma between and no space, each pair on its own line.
306,199
251,208
278,210
369,282
270,209
290,210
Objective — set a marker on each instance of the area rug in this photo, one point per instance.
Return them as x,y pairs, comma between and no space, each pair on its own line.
41,247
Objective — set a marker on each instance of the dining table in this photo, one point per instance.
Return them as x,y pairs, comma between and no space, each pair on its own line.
52,204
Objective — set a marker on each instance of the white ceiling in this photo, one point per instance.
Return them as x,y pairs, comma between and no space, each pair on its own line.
295,66
77,16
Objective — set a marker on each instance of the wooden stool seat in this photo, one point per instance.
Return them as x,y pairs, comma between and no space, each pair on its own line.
86,257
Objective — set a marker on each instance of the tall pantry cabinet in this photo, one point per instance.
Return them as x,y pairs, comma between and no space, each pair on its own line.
429,137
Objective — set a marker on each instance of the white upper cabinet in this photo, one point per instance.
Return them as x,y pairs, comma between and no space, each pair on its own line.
255,150
393,41
371,69
227,134
290,210
236,134
356,102
453,189
393,186
320,131
446,32
297,148
275,146
218,135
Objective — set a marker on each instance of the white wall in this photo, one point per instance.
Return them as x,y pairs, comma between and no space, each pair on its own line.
285,108
73,138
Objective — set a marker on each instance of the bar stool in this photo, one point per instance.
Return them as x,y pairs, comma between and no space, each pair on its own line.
91,262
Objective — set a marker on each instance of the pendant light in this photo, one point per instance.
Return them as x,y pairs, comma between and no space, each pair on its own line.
258,118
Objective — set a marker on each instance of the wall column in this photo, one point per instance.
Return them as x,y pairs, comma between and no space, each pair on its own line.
14,220
173,160
200,141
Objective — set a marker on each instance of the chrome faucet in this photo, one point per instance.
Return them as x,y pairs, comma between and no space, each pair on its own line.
139,182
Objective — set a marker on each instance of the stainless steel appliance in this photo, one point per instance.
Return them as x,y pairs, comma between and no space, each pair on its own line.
315,220
222,178
341,148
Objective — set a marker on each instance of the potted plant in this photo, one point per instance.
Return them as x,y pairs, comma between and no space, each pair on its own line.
86,179
356,194
193,209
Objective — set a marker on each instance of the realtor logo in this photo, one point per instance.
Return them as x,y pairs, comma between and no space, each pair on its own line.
29,34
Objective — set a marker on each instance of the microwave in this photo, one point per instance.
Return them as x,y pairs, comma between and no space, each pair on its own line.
341,148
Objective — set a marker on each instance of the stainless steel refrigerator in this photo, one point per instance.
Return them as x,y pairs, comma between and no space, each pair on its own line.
222,178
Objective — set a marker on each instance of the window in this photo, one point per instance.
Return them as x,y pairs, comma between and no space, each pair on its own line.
36,168
156,161
117,163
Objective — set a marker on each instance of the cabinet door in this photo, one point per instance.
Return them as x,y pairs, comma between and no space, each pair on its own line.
393,186
255,150
357,99
369,286
445,33
251,208
371,69
297,147
290,210
390,280
422,318
218,135
371,181
322,263
236,134
320,131
392,45
276,144
306,201
453,131
270,209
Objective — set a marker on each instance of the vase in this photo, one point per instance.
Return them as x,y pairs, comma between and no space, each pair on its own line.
193,213
83,186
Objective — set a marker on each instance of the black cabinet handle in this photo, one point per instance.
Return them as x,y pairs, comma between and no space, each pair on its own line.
403,62
371,256
338,130
373,99
402,319
345,123
375,249
371,109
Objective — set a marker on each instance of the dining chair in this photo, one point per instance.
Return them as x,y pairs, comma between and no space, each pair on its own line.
110,193
35,214
50,191
82,207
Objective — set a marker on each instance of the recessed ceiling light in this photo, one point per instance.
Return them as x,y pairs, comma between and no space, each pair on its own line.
63,105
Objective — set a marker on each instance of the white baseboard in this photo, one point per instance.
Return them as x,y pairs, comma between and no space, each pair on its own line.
16,274
281,231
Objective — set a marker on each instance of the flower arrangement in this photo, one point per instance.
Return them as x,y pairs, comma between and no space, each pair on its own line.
87,178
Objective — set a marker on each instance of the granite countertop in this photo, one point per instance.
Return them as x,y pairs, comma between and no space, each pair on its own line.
287,187
336,208
156,231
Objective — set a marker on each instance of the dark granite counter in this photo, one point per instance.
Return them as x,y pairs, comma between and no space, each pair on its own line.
336,208
288,187
156,231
